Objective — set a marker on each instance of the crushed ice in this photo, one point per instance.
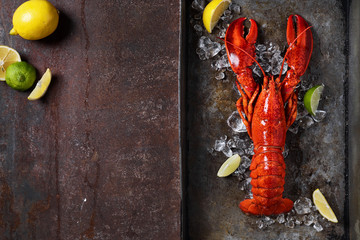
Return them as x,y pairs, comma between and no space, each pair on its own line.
304,214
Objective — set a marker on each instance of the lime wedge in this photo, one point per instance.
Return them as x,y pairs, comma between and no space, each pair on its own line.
312,98
41,86
213,12
229,166
323,206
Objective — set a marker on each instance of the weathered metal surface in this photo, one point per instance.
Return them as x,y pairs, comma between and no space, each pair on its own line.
354,120
317,156
98,156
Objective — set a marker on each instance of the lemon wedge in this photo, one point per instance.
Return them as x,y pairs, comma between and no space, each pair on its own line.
213,12
229,166
41,86
8,56
323,206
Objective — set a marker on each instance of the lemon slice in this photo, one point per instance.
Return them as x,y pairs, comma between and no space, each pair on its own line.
229,166
41,86
8,56
323,206
312,98
213,12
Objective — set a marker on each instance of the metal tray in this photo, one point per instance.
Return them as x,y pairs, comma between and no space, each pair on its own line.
322,156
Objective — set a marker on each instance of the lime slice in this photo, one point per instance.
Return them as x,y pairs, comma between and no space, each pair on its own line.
323,206
213,12
41,86
312,98
229,166
8,56
20,76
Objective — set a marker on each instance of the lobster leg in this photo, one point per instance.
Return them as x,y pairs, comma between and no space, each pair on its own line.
291,109
245,106
298,55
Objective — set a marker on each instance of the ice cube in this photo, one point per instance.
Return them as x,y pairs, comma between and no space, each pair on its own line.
249,195
318,227
214,49
198,28
198,16
250,149
227,151
276,62
235,8
260,48
245,162
294,128
265,66
280,218
221,63
219,145
308,219
303,205
290,224
245,184
223,138
226,17
221,33
298,219
268,221
220,75
301,111
257,71
198,5
319,115
202,54
236,123
306,122
286,151
260,224
231,143
289,218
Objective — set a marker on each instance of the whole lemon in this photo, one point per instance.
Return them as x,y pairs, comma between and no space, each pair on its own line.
35,20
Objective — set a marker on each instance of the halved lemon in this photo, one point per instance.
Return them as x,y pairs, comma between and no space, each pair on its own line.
312,98
8,56
323,206
213,12
229,166
41,86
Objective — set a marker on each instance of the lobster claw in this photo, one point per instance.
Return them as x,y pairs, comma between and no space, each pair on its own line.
234,41
300,46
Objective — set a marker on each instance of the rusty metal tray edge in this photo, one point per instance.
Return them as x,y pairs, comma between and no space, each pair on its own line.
354,120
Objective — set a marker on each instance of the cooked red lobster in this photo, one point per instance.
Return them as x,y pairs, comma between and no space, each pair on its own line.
268,110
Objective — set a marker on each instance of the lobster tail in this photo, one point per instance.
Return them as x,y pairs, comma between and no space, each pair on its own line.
268,179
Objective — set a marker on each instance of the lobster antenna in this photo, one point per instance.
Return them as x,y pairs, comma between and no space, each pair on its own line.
292,43
263,72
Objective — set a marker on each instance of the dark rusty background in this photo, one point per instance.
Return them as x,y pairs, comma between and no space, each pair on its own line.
98,156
